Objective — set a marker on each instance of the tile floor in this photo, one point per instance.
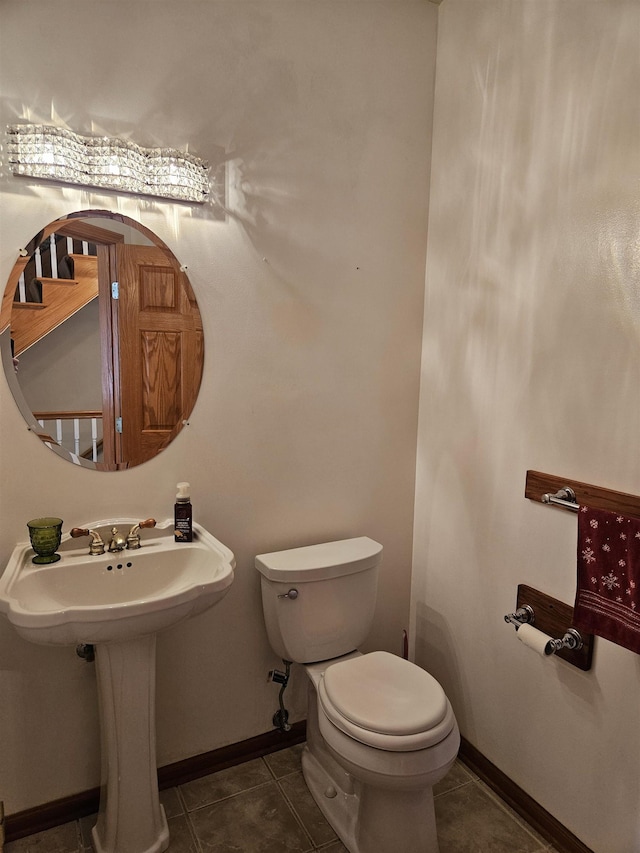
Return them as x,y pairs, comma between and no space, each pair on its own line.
263,806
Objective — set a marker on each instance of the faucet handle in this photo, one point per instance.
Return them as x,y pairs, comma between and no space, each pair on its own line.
97,544
133,539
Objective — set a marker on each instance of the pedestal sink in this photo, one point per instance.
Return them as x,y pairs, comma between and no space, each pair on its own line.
118,602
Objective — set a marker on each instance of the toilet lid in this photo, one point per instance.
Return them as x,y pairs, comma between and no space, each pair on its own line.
382,693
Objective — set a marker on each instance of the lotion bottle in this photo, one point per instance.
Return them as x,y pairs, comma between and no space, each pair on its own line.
183,514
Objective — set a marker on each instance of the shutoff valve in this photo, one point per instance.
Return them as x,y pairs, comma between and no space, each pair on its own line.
278,676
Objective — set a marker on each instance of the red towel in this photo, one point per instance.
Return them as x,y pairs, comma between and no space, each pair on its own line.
608,596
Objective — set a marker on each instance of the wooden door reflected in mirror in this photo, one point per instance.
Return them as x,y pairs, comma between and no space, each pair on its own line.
102,340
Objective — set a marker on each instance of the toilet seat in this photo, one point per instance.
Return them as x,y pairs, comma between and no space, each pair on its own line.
386,702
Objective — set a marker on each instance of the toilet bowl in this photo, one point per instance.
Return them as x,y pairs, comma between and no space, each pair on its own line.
380,730
383,780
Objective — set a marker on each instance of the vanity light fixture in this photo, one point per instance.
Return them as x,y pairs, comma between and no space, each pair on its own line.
57,154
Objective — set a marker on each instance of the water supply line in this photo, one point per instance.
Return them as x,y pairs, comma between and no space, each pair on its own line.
281,716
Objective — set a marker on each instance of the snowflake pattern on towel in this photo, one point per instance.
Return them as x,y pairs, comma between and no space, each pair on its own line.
607,600
615,542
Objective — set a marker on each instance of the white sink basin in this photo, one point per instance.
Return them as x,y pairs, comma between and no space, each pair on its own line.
114,596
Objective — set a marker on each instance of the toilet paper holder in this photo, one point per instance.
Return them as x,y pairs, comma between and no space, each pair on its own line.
554,618
525,615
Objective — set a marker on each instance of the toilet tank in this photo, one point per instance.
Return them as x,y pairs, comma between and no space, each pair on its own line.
319,600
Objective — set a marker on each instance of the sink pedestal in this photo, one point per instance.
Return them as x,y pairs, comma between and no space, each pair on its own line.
130,817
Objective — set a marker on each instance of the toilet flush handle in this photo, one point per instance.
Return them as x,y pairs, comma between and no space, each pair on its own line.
292,594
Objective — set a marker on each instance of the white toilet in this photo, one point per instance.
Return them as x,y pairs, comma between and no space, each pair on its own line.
380,730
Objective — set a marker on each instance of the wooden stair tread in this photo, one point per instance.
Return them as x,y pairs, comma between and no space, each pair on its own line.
38,306
29,306
61,298
64,281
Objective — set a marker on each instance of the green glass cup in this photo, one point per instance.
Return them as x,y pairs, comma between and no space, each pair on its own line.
45,535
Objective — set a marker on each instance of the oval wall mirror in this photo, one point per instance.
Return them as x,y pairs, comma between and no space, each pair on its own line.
102,340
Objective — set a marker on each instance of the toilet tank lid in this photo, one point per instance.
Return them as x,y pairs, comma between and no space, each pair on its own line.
320,562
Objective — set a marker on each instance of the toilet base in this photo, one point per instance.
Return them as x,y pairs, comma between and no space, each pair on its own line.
368,819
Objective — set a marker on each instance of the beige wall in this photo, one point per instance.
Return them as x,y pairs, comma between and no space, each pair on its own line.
311,293
530,360
63,369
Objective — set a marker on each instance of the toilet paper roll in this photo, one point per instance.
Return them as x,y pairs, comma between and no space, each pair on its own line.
535,640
